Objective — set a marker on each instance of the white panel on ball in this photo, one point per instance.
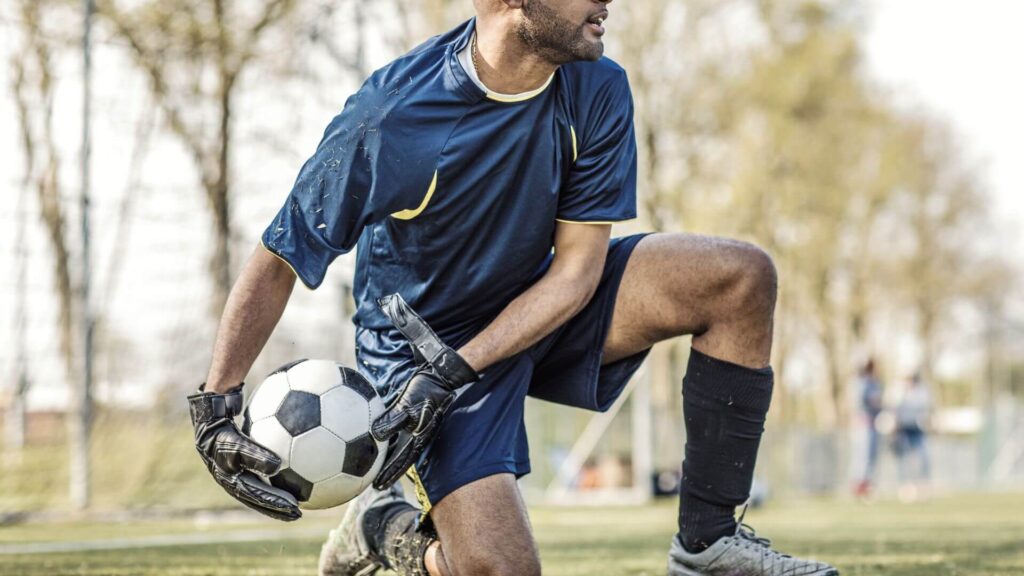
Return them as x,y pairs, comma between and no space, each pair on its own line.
344,412
266,399
336,491
317,454
314,376
376,407
271,435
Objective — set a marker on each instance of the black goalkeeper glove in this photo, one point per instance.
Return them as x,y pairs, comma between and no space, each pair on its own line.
233,459
412,420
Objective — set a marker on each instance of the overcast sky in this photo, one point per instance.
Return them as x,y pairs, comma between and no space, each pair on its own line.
963,59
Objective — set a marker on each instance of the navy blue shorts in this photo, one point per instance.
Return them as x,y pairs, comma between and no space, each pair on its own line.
483,432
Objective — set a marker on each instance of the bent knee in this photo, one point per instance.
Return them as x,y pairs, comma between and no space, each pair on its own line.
753,279
760,272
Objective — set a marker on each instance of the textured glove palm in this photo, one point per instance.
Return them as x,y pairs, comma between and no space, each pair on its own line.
233,459
413,419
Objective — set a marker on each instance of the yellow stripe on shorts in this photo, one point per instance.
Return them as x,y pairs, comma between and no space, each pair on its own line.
421,492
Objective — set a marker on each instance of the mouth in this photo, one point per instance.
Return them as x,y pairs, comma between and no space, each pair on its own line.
596,22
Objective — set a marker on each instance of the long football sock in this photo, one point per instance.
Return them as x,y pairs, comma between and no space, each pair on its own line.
724,407
393,533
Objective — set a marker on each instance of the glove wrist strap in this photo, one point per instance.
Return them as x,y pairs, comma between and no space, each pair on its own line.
426,344
207,407
453,368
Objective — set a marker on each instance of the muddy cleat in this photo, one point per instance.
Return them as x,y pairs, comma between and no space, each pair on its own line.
742,554
346,551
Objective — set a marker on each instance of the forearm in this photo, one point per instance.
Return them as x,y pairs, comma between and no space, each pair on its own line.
534,314
253,309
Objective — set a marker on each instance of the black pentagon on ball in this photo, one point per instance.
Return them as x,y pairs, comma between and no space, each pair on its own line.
287,367
290,481
356,381
359,456
300,412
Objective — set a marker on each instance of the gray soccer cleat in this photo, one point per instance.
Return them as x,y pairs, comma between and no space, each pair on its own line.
346,552
742,554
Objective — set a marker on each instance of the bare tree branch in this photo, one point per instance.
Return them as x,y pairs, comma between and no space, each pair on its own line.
151,63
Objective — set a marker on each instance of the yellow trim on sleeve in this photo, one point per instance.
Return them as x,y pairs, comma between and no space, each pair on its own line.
410,214
594,221
288,264
572,131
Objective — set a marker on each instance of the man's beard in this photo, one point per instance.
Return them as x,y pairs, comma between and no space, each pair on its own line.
554,38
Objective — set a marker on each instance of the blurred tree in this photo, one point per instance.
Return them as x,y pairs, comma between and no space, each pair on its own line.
33,85
194,52
943,219
867,209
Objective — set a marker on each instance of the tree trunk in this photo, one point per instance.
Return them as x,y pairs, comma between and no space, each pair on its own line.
218,193
14,420
220,258
34,101
836,380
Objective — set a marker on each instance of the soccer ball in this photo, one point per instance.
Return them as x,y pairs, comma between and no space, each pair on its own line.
316,415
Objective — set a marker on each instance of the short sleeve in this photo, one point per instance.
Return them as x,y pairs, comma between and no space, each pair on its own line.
602,180
354,179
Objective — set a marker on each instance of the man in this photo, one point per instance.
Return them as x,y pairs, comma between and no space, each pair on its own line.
912,415
479,176
871,396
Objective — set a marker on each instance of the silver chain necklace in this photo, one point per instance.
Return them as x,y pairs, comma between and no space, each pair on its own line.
473,51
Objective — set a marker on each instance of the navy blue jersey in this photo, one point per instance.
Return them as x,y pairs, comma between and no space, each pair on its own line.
450,193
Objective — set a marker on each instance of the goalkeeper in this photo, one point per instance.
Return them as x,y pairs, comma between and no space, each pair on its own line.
479,175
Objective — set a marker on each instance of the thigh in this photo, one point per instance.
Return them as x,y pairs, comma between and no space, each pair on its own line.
673,284
484,529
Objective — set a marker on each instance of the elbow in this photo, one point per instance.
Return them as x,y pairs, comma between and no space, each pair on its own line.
591,282
580,287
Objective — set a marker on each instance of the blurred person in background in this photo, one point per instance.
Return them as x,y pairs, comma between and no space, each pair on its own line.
912,415
870,395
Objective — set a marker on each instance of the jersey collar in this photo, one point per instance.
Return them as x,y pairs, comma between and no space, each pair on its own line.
466,82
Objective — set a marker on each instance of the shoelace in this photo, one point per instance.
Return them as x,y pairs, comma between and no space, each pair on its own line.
749,537
747,533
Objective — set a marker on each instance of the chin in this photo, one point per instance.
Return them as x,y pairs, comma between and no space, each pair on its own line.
593,52
588,50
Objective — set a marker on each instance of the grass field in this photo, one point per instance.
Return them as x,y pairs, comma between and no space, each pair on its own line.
975,535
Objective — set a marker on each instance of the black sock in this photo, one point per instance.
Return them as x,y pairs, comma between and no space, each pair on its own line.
724,407
393,534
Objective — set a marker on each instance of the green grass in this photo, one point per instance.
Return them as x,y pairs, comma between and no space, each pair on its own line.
976,535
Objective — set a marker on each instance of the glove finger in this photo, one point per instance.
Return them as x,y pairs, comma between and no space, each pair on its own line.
263,497
401,454
389,424
429,416
256,458
235,453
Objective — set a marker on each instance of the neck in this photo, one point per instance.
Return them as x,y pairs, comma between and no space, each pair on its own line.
504,64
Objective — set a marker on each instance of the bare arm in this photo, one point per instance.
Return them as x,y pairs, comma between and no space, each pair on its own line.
563,291
411,421
253,309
